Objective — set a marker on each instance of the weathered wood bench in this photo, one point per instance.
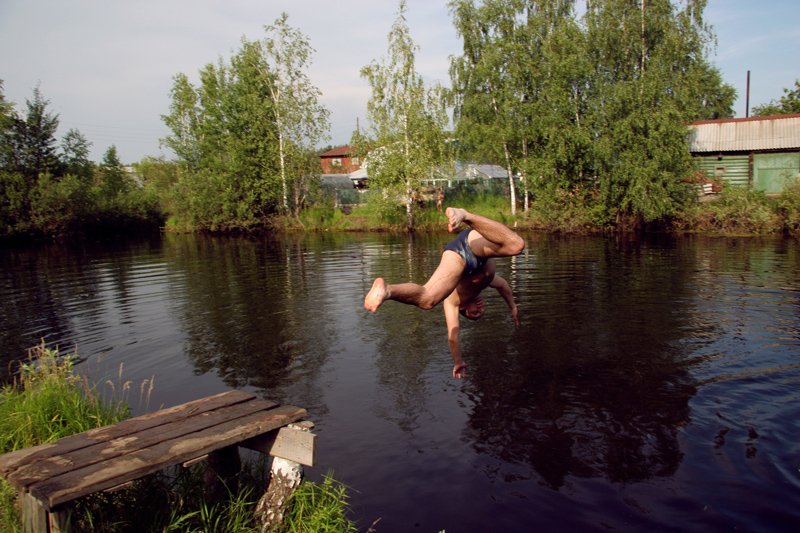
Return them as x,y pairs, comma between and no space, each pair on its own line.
51,476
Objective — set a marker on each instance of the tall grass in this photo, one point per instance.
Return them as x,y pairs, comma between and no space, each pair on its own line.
48,400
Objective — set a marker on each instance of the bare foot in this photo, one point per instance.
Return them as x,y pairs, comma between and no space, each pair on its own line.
377,295
455,216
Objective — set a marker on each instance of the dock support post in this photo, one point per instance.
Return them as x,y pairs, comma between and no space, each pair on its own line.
35,517
222,474
285,477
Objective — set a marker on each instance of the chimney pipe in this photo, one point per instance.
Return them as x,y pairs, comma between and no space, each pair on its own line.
747,100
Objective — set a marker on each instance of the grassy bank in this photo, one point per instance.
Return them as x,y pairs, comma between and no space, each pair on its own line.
49,400
733,211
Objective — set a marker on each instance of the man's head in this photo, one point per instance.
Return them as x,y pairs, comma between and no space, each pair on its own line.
473,309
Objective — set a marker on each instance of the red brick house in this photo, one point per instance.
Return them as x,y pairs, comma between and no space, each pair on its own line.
339,161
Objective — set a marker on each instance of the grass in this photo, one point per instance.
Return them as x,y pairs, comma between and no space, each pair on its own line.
48,400
735,211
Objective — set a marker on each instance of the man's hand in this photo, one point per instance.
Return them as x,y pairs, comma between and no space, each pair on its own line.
459,371
514,314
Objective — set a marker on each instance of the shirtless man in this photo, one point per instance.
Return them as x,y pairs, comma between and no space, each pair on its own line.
467,267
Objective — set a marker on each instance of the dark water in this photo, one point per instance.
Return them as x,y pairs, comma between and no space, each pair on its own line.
652,385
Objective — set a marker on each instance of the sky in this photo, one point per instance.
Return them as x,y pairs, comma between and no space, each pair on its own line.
107,66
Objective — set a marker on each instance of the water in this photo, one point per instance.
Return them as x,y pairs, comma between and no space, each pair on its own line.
651,386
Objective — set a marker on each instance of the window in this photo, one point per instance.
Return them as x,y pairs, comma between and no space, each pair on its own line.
337,162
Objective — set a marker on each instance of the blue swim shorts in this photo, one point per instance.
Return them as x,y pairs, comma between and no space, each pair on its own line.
460,245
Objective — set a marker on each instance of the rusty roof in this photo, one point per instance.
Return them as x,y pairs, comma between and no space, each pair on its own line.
745,134
339,152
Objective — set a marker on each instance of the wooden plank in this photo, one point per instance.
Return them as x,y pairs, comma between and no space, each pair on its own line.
44,469
292,444
13,460
99,476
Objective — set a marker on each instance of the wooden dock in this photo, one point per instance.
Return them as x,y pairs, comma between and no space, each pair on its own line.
50,476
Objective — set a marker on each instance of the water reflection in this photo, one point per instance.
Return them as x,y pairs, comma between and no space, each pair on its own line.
668,361
260,314
594,382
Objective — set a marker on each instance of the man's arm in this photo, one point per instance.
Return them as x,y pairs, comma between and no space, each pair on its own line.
454,334
505,291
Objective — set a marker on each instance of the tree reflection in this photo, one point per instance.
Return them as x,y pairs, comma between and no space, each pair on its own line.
252,314
594,383
407,339
51,292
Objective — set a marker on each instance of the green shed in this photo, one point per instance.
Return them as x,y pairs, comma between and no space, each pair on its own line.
760,152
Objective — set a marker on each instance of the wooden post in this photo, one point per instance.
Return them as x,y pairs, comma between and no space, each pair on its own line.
34,515
286,476
222,474
60,518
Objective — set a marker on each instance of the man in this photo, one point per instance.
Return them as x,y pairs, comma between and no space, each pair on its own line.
467,267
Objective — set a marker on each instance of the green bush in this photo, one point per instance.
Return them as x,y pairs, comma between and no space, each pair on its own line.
742,210
787,207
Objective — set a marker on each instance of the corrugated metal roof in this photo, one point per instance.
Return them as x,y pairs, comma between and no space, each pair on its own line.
746,134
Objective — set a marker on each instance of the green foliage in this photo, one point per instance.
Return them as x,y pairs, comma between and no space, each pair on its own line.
320,216
114,181
787,105
651,79
568,210
386,209
598,103
787,207
244,135
45,196
301,121
407,141
30,140
48,401
318,507
738,210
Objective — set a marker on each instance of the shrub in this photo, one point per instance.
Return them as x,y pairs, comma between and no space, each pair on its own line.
787,207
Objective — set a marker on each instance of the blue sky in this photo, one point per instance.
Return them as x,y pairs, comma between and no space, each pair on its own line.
107,66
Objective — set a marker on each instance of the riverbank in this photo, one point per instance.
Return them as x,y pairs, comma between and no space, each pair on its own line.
49,400
733,211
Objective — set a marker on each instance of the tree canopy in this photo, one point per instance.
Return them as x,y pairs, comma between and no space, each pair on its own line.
244,133
596,105
788,104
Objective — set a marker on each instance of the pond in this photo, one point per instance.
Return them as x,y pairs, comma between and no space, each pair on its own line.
652,384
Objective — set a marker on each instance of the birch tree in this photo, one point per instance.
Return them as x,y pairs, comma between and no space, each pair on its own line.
408,120
485,82
301,121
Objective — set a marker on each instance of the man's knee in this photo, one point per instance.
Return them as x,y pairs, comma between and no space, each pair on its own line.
517,245
427,303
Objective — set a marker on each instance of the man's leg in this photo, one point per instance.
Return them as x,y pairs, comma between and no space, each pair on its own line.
498,240
439,286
